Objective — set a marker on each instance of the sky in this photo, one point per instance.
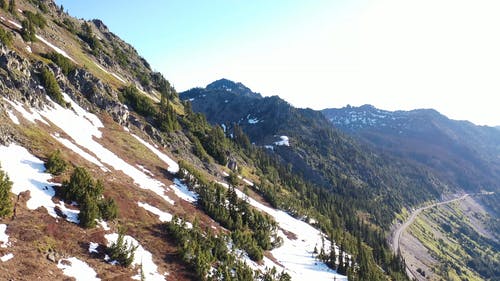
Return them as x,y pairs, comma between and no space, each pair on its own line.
393,54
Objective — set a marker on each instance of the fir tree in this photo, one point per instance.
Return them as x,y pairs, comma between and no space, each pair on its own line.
5,202
55,164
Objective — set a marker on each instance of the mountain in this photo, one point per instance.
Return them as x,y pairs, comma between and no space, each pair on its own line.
463,154
306,141
105,174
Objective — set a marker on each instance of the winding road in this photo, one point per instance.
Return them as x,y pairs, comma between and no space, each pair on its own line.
400,229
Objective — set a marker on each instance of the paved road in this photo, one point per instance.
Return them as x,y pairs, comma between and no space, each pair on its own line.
399,231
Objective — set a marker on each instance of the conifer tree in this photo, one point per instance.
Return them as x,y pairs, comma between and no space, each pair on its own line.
5,202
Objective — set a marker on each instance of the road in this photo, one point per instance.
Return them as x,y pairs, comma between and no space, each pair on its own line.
400,229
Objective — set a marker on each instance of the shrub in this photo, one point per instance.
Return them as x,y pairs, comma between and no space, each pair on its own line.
140,103
63,62
55,164
51,87
5,37
108,209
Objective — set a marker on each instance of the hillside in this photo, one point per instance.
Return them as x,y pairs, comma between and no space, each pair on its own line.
107,175
463,154
454,241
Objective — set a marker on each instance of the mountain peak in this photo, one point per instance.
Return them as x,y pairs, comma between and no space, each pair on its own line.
233,87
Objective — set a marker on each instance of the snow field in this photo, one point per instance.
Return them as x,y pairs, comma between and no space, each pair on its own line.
84,127
77,269
27,173
142,258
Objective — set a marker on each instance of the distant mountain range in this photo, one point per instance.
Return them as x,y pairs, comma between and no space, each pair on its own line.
466,154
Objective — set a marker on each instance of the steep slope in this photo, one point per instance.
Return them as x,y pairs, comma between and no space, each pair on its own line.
460,152
72,92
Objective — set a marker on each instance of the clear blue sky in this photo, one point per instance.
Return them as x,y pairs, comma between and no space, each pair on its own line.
394,54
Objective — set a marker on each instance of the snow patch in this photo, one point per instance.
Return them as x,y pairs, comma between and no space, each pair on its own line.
60,51
7,257
252,120
163,216
182,191
76,149
13,117
26,115
93,247
104,225
141,258
173,167
118,77
27,173
28,48
4,238
285,141
77,269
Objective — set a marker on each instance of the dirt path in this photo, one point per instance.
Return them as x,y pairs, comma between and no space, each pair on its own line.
396,237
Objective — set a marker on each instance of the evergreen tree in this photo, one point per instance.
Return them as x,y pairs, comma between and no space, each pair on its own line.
55,164
3,4
5,202
89,212
121,251
12,7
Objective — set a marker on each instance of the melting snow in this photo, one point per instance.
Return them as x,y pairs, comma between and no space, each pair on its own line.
84,127
163,216
77,269
54,48
104,225
6,257
284,141
182,191
141,257
13,117
28,48
28,174
119,78
173,167
4,238
93,247
252,120
27,115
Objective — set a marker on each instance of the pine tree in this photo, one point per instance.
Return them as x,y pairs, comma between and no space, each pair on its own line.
89,212
3,4
121,251
5,202
55,164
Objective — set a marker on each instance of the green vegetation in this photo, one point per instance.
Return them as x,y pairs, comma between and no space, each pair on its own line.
87,192
63,62
3,5
28,31
121,251
51,86
55,164
12,7
463,254
164,118
88,36
252,230
5,37
202,250
36,19
5,200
